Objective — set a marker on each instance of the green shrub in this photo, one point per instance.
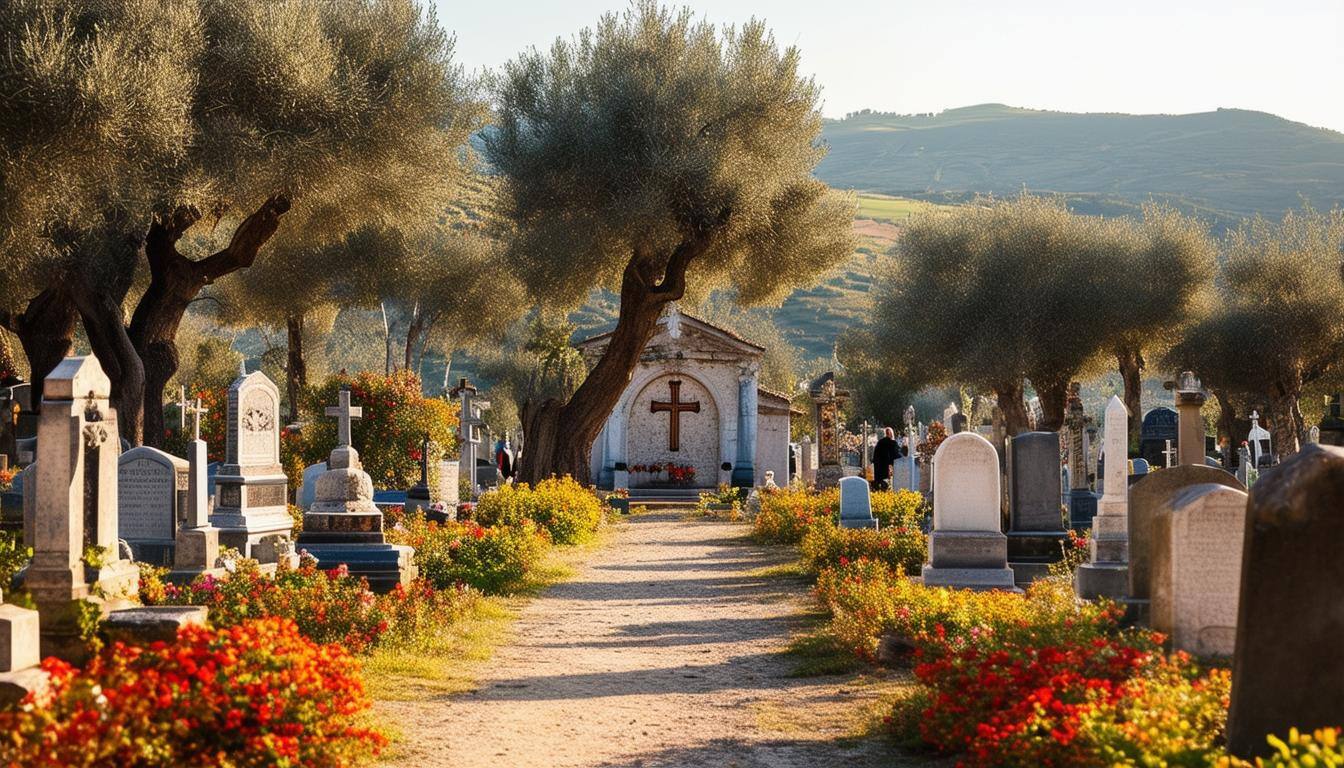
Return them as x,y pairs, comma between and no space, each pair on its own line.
567,511
901,548
496,559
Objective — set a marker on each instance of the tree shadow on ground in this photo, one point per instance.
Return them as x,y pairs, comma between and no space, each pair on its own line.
784,753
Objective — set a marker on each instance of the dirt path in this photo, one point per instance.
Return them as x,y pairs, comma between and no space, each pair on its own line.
663,651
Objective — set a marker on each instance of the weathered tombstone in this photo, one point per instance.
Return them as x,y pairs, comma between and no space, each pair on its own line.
150,484
20,643
1190,399
1036,534
958,423
1332,421
1082,501
827,400
1196,568
967,549
75,508
308,487
1159,426
344,526
1141,467
251,488
808,465
1313,435
1259,440
1106,574
1288,671
449,491
856,507
1146,497
197,540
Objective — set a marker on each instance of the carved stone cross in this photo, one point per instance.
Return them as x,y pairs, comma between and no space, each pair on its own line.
196,410
674,408
344,413
182,405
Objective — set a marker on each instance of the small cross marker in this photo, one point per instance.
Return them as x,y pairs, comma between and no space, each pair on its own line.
196,410
344,413
182,405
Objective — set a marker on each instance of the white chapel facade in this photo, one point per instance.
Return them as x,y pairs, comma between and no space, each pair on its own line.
695,392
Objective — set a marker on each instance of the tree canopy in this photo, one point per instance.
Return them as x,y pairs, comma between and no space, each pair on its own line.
655,154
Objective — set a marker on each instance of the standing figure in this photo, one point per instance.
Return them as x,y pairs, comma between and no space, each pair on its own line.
503,461
885,454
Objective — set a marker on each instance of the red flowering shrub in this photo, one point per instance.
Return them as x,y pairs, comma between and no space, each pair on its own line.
1006,704
255,694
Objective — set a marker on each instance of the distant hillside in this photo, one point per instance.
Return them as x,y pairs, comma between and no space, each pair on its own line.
1225,164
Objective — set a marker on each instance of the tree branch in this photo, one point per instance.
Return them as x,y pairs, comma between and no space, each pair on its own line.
673,285
247,240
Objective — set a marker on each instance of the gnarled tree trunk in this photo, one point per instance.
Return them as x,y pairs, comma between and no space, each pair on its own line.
46,331
1129,361
106,329
1054,395
1014,407
559,437
1286,422
296,370
175,281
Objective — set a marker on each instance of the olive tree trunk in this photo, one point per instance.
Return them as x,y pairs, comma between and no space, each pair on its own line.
1054,395
175,281
1286,422
1129,361
559,436
296,369
106,328
1011,402
46,332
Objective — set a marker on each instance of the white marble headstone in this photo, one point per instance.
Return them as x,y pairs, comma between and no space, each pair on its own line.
966,484
1197,569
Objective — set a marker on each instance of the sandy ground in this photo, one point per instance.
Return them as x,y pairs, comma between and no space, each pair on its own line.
662,651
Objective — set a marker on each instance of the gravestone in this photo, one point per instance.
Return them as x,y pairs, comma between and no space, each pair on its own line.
1082,501
20,643
252,494
1141,467
309,484
1258,438
1332,421
856,507
967,549
197,548
449,490
1288,671
418,496
469,432
1036,534
211,471
1106,574
827,400
958,423
76,507
1196,568
1190,399
1159,426
344,526
26,482
1146,497
150,486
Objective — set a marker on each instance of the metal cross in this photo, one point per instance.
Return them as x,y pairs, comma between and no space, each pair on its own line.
344,413
196,410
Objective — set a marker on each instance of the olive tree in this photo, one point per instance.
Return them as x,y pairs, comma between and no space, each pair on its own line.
654,155
1278,323
997,293
179,134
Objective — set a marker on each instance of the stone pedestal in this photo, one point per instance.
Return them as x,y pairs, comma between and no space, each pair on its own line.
969,559
344,526
149,624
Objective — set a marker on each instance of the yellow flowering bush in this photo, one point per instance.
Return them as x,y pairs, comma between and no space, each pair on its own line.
1319,749
567,511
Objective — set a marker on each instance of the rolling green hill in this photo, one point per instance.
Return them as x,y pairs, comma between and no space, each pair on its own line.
1224,164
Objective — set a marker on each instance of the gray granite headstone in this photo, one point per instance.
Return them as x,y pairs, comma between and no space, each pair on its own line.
856,508
1036,525
147,499
1288,671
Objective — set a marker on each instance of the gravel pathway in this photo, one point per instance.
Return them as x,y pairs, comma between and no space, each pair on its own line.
662,651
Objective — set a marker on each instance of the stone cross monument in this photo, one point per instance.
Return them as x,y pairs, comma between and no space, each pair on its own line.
197,540
828,400
251,488
75,552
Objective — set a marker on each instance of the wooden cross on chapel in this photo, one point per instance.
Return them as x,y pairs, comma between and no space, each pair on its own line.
674,408
344,413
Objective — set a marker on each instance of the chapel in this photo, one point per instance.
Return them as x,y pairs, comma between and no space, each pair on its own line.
694,401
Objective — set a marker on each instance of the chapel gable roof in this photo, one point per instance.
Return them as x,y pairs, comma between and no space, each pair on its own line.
697,328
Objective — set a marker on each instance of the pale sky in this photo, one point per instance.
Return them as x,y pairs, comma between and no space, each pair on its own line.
1144,56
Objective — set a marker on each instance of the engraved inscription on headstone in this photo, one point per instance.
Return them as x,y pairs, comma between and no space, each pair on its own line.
230,496
146,491
257,414
266,495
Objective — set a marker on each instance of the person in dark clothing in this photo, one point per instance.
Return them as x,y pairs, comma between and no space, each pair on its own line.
884,455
